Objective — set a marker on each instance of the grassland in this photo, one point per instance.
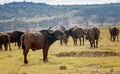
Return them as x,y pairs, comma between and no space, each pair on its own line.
11,62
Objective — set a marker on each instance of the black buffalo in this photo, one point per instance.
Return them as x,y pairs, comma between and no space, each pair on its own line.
15,37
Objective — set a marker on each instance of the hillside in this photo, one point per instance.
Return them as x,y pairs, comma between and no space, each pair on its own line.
34,15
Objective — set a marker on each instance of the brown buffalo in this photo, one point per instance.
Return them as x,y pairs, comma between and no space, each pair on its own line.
5,40
92,34
75,33
79,33
39,40
15,37
114,32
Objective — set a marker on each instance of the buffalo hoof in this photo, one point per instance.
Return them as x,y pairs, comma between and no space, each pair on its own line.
45,61
25,62
10,49
5,49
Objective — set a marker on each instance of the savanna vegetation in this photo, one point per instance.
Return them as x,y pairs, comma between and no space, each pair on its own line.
29,15
64,59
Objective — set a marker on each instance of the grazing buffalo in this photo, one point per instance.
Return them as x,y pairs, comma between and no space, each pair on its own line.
5,40
15,37
39,40
75,33
92,34
114,32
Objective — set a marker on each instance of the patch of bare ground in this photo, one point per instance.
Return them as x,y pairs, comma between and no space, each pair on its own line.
102,71
87,54
93,70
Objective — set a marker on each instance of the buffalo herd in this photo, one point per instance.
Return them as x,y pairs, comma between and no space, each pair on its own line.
43,39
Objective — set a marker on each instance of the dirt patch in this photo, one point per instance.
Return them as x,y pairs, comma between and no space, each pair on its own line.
112,71
87,54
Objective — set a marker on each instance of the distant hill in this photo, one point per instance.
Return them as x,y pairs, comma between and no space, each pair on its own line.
34,15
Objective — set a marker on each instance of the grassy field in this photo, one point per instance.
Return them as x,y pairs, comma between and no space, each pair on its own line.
11,62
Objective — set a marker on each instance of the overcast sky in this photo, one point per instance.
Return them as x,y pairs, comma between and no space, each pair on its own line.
64,2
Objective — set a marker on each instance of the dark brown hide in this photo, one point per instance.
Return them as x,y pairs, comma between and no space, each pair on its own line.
39,40
114,32
15,37
75,33
92,35
5,40
79,33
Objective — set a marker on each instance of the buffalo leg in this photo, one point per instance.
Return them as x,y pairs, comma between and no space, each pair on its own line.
9,46
25,52
111,37
97,43
114,38
65,41
61,41
19,44
83,40
80,40
93,42
75,41
5,46
117,38
15,43
45,54
0,46
90,43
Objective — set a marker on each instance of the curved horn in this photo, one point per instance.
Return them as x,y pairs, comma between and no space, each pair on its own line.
62,28
50,28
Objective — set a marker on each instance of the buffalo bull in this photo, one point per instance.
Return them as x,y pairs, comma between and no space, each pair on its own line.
114,32
5,40
92,34
39,40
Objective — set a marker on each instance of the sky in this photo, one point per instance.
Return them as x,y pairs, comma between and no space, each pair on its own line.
64,2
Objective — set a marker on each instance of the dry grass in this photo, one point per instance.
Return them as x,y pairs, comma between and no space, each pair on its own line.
11,62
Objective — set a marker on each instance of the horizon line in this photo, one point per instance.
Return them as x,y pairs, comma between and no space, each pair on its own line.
58,4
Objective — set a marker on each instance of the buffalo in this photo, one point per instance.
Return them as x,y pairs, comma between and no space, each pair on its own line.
5,40
92,34
75,33
39,40
114,32
15,37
